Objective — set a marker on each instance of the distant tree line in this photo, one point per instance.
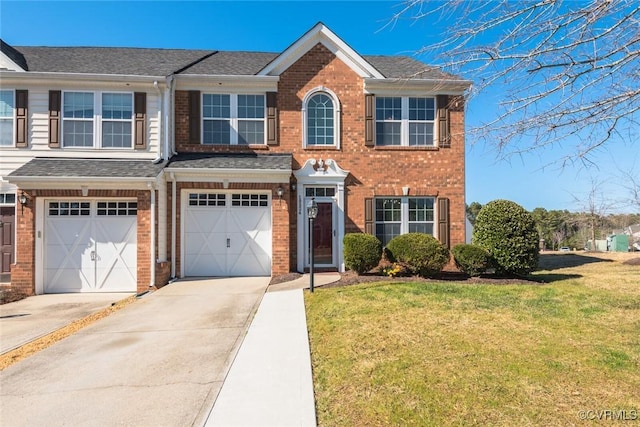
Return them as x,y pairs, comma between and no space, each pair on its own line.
561,228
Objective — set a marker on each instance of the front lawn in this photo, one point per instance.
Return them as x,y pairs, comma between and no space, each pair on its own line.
420,353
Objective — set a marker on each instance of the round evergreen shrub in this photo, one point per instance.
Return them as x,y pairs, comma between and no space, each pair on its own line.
508,232
471,259
422,253
362,252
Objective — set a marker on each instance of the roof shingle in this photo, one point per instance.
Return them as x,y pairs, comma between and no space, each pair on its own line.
231,161
87,168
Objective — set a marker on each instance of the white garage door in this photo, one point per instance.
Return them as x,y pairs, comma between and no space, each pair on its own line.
227,234
90,246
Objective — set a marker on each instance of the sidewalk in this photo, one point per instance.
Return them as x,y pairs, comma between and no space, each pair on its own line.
270,381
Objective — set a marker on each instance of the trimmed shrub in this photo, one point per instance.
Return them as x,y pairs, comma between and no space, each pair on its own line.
362,252
422,253
471,259
508,232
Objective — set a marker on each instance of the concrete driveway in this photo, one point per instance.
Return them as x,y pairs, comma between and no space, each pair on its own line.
160,361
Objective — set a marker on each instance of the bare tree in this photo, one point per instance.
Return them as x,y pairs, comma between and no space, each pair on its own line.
565,70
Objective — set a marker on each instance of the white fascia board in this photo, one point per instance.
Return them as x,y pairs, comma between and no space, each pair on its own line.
9,64
229,175
46,79
321,34
416,87
226,83
71,183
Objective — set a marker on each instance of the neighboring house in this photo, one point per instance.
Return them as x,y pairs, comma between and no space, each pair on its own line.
139,165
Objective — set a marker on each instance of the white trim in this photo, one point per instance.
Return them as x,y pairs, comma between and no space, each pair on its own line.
320,34
39,246
336,117
75,183
229,175
415,87
10,64
405,122
233,119
227,83
325,174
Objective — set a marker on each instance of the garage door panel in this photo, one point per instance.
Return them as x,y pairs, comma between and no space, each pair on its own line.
93,251
227,239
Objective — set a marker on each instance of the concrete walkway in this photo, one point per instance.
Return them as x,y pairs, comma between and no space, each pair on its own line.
270,382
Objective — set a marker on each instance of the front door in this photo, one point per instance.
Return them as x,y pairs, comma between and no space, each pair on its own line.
7,232
324,233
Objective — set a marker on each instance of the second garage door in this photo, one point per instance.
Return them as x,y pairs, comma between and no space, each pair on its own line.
227,234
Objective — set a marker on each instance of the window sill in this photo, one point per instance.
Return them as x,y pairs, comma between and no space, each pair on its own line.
321,147
405,148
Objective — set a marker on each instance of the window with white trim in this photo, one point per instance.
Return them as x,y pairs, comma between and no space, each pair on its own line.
230,119
97,120
321,119
7,112
7,198
405,121
399,215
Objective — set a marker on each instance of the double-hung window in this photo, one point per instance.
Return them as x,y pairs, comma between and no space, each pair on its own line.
405,121
102,120
399,215
230,119
6,117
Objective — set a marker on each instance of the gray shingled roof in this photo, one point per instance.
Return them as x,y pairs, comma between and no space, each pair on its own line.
231,161
162,62
109,60
89,168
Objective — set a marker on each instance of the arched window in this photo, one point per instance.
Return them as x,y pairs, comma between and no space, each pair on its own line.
321,119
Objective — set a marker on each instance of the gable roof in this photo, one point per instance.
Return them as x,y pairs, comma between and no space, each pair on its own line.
320,33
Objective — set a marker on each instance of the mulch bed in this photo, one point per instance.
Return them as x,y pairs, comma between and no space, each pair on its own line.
632,261
8,295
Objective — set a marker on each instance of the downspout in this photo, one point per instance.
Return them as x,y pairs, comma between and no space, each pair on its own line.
160,126
170,109
173,224
153,235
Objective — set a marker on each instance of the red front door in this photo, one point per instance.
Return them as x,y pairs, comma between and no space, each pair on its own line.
7,233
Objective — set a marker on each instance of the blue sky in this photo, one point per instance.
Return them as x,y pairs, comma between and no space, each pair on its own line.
272,26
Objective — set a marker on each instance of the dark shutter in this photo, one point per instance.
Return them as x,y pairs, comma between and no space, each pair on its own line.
55,100
368,216
272,118
443,221
194,117
140,118
22,118
369,121
444,136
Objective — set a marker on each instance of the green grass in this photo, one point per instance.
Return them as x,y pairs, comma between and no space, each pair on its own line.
457,354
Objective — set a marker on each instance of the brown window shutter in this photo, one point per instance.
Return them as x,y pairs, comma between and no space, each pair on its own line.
55,101
368,216
369,121
140,118
22,118
194,117
444,136
443,221
272,118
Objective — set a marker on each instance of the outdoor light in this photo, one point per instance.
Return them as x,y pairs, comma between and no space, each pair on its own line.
312,213
280,192
23,200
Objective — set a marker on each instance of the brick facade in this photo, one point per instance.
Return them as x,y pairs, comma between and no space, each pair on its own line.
374,171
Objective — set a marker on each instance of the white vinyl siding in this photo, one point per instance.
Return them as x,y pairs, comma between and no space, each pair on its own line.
38,137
